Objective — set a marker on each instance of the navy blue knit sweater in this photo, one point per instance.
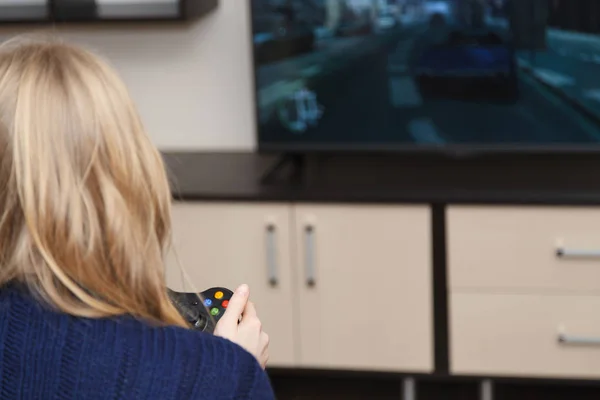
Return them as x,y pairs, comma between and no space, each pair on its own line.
48,355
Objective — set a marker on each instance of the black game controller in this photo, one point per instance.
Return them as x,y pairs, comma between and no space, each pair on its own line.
203,310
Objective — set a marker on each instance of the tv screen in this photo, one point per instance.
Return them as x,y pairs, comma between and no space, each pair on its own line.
418,74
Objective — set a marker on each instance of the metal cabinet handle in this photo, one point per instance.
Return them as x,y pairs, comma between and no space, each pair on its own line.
309,259
563,252
271,255
578,340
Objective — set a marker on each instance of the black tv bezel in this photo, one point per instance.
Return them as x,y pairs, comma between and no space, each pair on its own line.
450,150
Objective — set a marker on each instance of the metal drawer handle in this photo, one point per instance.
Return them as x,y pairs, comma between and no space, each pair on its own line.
577,253
578,340
309,238
271,255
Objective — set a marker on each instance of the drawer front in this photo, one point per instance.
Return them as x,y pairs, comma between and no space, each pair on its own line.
518,335
515,248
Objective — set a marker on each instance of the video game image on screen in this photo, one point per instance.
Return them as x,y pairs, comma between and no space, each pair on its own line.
338,74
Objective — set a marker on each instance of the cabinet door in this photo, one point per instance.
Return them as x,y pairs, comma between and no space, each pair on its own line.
227,244
365,287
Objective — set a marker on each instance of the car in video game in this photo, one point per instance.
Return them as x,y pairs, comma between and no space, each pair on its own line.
469,59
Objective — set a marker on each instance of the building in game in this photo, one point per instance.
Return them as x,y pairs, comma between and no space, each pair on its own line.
339,11
576,15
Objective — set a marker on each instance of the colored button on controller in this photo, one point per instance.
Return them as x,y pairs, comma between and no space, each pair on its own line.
214,311
219,295
208,302
225,303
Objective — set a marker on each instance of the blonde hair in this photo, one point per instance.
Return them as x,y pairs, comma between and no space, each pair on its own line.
84,198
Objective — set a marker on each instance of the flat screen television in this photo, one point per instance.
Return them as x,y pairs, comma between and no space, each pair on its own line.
427,74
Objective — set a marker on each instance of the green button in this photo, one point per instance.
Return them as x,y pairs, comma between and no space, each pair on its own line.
214,311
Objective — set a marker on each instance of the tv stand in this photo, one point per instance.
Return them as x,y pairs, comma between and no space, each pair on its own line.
293,164
443,215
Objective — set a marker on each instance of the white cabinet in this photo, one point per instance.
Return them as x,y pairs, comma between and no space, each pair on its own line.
352,283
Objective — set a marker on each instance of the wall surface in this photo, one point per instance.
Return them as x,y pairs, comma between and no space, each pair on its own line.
192,83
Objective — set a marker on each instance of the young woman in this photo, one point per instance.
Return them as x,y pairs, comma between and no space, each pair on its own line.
84,226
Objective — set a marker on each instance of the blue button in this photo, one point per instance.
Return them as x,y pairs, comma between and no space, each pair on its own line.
208,302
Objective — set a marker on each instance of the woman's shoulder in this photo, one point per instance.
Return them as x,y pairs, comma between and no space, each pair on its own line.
200,362
164,362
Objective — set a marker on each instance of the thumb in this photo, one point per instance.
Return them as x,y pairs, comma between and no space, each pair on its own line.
236,307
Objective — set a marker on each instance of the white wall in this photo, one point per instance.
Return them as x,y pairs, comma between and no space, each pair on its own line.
192,83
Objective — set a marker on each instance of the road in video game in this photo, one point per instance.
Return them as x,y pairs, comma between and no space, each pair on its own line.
432,72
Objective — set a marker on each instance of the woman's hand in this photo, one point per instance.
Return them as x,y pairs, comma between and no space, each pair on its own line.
248,333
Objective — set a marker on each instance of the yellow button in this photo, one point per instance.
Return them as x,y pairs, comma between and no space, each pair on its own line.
219,295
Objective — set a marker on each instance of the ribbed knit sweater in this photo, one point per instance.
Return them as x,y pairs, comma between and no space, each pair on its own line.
50,355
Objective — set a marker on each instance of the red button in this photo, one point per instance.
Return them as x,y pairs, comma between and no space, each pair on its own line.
225,303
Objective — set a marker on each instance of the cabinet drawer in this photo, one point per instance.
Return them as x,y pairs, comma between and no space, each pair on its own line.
516,248
518,335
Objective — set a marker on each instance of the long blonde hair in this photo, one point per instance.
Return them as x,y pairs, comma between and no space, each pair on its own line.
84,197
